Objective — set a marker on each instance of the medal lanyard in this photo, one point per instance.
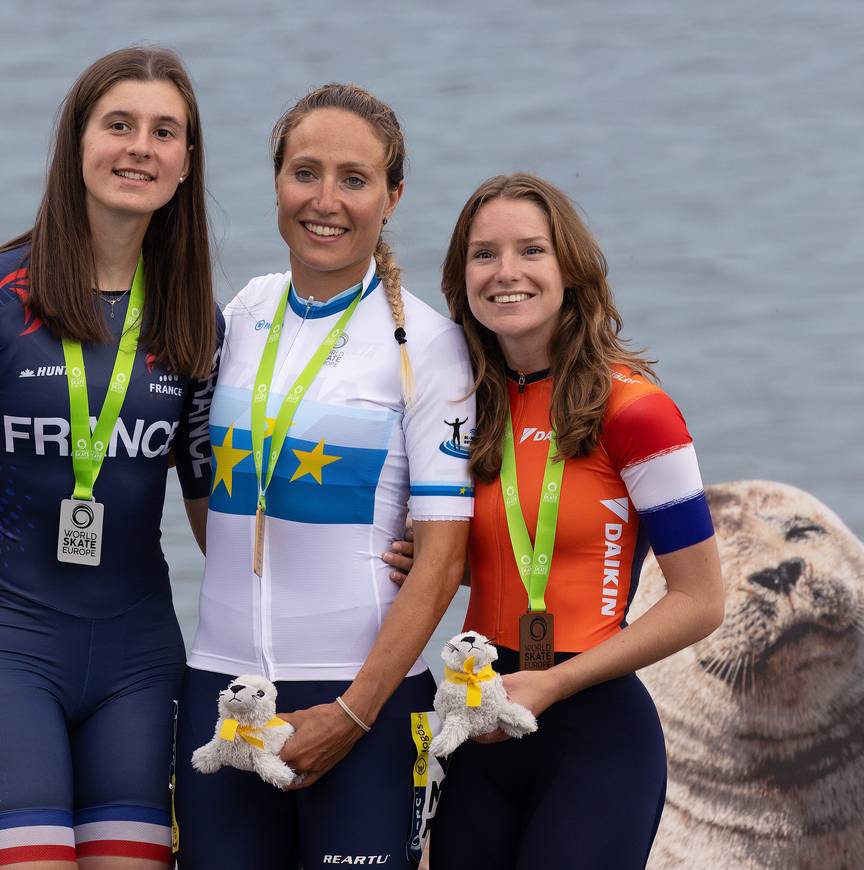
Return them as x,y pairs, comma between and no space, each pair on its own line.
292,399
533,562
88,451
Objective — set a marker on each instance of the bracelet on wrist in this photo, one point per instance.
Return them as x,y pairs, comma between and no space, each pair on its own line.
352,715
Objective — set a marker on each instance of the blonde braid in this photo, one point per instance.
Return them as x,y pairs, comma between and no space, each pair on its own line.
391,278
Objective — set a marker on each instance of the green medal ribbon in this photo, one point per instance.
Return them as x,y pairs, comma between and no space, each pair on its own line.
533,562
88,450
292,399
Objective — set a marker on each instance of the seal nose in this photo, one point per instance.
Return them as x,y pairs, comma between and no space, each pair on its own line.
779,579
236,688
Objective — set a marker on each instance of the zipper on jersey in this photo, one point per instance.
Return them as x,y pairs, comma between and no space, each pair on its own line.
268,666
521,382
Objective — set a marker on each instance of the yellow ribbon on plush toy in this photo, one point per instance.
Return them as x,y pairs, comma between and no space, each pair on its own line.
232,729
473,693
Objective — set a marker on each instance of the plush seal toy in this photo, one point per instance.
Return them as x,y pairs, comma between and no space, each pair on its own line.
248,733
764,719
471,699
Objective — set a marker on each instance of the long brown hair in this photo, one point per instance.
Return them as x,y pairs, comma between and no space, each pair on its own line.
179,313
383,121
583,348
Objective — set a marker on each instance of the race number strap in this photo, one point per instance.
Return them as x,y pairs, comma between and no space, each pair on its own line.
292,400
88,450
533,562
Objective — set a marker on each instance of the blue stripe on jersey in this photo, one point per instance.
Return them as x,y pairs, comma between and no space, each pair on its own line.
679,524
333,306
450,489
34,817
123,813
345,494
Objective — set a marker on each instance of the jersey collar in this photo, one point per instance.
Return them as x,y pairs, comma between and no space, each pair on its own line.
529,377
313,311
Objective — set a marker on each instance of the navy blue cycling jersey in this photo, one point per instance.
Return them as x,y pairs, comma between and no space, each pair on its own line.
162,413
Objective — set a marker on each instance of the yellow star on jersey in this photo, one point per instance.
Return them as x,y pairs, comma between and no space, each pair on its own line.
227,456
312,461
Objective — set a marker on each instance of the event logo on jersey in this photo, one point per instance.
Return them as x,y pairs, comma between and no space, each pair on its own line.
611,563
336,354
19,282
459,443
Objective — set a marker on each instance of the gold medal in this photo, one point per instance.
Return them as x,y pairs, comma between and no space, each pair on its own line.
536,641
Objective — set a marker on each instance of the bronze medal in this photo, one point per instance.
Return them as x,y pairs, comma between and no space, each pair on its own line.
258,557
536,641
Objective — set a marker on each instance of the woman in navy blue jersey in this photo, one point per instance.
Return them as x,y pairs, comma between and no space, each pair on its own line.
107,323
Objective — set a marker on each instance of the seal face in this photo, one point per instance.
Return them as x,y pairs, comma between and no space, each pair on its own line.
764,719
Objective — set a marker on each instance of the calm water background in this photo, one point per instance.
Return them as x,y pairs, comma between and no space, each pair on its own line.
716,150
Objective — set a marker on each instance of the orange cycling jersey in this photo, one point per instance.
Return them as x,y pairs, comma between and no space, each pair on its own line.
640,488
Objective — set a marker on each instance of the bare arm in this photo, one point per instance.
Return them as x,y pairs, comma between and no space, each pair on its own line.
324,733
400,557
196,511
691,609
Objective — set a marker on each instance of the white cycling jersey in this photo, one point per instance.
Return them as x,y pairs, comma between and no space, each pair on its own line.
354,461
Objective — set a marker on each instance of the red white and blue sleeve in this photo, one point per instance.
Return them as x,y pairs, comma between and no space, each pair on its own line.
648,442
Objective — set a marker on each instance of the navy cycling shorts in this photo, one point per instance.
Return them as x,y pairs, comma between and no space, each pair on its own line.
585,791
86,731
361,809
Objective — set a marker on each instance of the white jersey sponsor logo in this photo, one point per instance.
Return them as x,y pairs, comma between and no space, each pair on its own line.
43,372
534,434
611,562
356,859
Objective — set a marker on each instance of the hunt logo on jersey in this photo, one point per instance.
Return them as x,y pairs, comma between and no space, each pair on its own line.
534,434
43,372
611,561
459,444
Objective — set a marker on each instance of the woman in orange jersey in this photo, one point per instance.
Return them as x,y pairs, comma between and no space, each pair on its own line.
582,464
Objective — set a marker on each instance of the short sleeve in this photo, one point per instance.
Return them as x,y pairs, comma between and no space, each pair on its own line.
192,443
438,428
648,443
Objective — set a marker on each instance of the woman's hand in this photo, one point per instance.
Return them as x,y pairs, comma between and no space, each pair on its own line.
400,556
534,690
324,735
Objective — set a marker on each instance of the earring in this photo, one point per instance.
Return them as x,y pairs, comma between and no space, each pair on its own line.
384,222
182,179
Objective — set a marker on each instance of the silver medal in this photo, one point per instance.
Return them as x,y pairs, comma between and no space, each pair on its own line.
80,538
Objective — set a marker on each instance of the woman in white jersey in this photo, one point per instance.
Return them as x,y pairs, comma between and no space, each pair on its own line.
309,491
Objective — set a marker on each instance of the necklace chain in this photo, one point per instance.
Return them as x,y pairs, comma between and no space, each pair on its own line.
113,302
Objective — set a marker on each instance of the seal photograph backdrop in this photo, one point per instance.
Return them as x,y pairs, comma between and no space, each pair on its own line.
716,152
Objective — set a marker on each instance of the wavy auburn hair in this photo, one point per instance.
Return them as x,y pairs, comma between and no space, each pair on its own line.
583,348
179,308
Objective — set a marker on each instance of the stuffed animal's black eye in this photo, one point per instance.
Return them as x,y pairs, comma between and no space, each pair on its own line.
260,693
